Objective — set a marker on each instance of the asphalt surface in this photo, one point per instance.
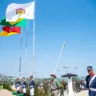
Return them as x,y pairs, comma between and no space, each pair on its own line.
5,93
8,93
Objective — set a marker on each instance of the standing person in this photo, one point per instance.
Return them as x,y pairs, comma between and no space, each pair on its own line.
24,86
55,85
32,86
18,86
12,83
91,81
62,89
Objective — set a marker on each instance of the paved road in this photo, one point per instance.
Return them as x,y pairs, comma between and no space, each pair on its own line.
8,93
83,93
5,93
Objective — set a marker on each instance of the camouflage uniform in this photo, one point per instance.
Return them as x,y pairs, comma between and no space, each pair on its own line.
55,87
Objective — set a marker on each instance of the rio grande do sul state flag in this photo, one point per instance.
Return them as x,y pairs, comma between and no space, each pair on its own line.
10,30
15,11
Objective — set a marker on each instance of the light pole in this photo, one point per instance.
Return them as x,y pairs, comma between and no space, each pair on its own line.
66,69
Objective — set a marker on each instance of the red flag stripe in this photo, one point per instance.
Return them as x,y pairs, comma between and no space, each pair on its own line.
11,29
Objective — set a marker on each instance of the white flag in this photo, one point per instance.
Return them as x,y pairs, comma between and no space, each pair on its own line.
15,11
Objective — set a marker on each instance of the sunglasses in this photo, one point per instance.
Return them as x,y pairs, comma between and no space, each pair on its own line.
89,70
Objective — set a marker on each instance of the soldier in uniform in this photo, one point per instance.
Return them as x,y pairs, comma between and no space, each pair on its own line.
55,85
18,85
24,86
32,86
91,81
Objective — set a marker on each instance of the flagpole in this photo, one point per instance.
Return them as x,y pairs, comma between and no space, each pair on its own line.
59,57
33,67
26,50
20,55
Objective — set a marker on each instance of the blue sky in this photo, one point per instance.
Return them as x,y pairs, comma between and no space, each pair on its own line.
73,21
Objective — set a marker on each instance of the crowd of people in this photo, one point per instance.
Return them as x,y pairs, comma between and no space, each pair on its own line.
21,86
57,88
54,86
